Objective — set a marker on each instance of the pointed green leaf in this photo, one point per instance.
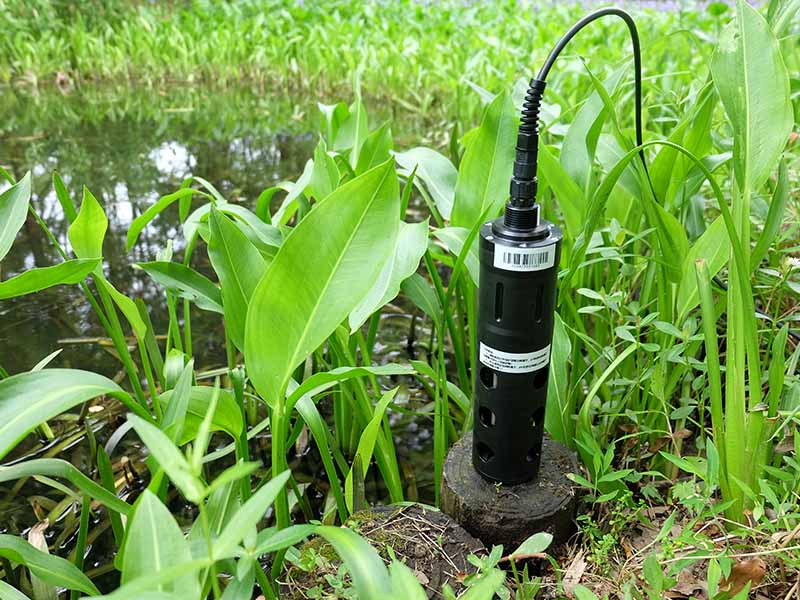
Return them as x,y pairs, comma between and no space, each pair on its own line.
51,569
411,245
186,282
435,171
239,266
30,399
13,210
154,543
486,167
41,278
55,467
87,232
170,459
248,516
300,301
753,83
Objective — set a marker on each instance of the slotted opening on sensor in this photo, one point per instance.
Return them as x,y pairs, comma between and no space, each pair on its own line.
486,416
532,455
488,378
537,418
538,305
484,452
498,302
540,379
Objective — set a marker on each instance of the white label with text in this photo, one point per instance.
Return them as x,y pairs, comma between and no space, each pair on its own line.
514,258
512,362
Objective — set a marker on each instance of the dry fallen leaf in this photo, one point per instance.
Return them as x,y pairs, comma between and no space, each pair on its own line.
688,585
742,573
574,572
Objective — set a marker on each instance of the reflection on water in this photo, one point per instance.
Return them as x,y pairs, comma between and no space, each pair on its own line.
129,152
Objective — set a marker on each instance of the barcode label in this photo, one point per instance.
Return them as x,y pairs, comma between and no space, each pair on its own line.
514,362
512,258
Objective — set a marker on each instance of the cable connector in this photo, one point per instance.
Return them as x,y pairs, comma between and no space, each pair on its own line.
522,190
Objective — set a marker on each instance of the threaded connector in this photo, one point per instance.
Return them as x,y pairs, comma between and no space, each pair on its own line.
522,190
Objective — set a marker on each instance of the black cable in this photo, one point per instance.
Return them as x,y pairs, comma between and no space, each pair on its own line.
521,211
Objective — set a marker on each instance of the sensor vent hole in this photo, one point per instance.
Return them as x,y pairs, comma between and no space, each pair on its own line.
537,418
488,378
538,305
486,417
498,302
540,379
532,455
484,452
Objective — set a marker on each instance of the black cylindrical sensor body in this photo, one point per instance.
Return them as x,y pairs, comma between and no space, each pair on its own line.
516,306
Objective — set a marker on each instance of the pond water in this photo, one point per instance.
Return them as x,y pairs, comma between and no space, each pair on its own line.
129,148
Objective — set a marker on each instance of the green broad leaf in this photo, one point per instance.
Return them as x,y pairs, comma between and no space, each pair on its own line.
692,464
485,170
186,282
300,302
170,459
435,171
140,222
582,593
774,221
753,83
177,404
9,593
227,417
332,117
29,399
239,266
241,587
41,278
404,583
560,404
366,446
248,516
376,150
569,196
420,292
50,569
353,132
126,306
63,198
714,248
486,586
155,542
272,541
55,467
320,382
538,542
325,174
263,235
13,210
144,587
233,474
453,239
369,574
669,170
580,142
223,502
412,242
88,230
293,198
